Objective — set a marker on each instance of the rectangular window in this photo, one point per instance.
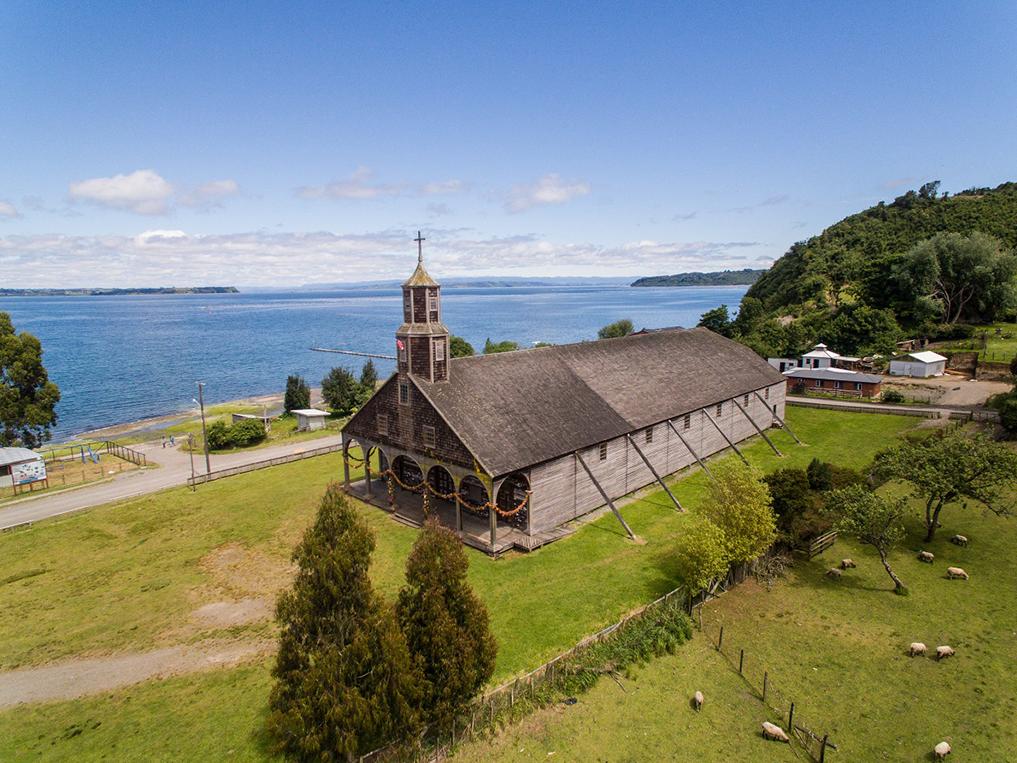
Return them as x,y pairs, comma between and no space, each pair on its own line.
819,382
427,435
720,409
766,394
402,354
603,451
858,385
745,400
688,422
404,393
432,304
836,385
649,434
382,423
439,350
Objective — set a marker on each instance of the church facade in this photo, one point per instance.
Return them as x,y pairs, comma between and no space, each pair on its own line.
509,448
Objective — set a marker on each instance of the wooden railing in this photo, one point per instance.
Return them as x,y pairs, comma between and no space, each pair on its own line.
218,474
127,454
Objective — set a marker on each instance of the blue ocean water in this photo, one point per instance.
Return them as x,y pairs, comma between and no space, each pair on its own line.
118,359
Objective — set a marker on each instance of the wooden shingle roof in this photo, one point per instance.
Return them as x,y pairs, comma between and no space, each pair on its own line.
516,409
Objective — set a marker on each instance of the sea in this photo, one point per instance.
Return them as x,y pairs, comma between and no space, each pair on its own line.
119,359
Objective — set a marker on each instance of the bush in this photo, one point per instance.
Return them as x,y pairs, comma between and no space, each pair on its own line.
1008,414
222,436
218,436
946,332
891,396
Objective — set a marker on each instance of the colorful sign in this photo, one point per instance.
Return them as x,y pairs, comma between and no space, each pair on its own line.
30,471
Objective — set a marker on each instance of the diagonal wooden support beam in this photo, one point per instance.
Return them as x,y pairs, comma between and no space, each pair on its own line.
604,495
782,422
728,439
757,428
688,445
654,473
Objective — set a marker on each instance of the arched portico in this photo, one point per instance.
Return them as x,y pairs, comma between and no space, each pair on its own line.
512,494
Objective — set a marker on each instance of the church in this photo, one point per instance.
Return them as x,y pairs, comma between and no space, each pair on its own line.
509,448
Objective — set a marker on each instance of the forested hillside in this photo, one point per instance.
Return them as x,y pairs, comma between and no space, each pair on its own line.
923,264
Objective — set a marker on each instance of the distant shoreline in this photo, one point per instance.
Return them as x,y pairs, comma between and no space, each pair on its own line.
112,292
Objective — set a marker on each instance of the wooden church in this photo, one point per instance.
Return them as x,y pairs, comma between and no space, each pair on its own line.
509,448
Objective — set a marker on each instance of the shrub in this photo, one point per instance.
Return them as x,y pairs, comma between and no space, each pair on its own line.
700,555
739,504
617,329
891,396
1008,414
246,432
946,332
218,435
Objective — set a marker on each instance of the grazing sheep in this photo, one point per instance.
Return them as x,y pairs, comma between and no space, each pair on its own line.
941,750
959,540
956,572
697,701
917,648
833,572
847,564
942,652
774,732
926,556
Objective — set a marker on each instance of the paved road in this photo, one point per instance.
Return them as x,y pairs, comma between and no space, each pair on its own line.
174,469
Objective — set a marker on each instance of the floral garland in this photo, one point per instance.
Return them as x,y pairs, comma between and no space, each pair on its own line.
425,488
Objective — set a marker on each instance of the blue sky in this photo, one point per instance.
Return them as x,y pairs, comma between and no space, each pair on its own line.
282,144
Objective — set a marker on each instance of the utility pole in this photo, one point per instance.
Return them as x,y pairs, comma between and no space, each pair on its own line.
204,430
190,447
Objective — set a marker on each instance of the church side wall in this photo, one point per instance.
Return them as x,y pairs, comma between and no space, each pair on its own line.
562,490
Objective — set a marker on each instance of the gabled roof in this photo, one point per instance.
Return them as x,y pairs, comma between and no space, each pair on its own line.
516,409
926,356
832,374
10,456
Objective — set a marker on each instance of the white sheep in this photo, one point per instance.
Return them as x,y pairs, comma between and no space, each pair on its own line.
833,572
697,701
917,648
956,572
959,540
941,750
846,564
774,732
943,652
926,556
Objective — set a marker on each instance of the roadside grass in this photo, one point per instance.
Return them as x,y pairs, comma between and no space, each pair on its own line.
66,473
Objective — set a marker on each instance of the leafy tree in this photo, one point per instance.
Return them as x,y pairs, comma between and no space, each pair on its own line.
701,555
825,476
860,328
344,680
369,376
340,391
218,435
950,469
616,329
27,397
298,394
739,503
493,347
445,624
460,348
873,520
717,320
929,191
750,313
792,499
1008,414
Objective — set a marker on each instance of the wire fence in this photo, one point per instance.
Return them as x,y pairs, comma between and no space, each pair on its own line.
200,479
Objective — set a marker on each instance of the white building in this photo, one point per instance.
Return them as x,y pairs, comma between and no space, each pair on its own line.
822,356
309,419
21,465
919,364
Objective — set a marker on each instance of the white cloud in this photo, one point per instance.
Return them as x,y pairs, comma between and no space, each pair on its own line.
443,187
173,257
360,185
550,189
210,194
143,191
8,211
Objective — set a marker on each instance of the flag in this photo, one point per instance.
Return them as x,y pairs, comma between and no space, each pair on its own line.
400,345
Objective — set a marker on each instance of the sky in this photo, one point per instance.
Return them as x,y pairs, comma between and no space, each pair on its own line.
281,144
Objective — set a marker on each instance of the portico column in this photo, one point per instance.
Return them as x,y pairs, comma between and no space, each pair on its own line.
492,514
346,465
367,470
459,509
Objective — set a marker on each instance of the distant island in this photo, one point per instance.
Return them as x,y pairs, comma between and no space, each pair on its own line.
720,278
117,292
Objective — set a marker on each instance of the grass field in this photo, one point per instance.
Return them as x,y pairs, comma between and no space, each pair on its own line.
996,348
128,577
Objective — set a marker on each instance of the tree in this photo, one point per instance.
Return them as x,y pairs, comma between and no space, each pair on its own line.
344,681
445,624
701,555
460,348
739,503
750,313
27,397
298,394
717,320
340,391
873,520
505,346
792,498
951,468
369,376
616,329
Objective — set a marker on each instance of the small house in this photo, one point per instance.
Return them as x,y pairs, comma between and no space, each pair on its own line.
919,364
20,466
822,356
309,419
834,381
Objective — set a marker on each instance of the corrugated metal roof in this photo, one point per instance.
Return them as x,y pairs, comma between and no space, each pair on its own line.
927,356
833,374
17,455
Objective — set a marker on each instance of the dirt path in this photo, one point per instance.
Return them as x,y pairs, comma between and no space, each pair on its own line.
81,677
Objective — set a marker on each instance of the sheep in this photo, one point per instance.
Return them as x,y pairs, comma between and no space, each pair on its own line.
917,648
959,540
847,564
834,573
942,652
926,556
697,701
956,572
941,750
774,732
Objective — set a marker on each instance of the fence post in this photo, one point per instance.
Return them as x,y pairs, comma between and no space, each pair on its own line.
791,718
822,748
741,660
766,680
720,640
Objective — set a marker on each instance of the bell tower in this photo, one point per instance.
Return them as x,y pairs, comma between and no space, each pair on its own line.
422,341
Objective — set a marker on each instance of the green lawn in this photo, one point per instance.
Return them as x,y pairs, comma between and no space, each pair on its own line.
127,578
997,348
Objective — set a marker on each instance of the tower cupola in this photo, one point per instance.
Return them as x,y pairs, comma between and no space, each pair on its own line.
422,341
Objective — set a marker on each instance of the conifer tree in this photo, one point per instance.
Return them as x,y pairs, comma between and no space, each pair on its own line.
445,624
344,681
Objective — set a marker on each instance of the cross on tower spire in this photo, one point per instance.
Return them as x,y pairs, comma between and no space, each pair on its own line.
420,246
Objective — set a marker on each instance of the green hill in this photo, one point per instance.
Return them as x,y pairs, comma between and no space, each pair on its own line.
719,278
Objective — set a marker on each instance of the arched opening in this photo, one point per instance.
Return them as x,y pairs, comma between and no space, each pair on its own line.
511,494
407,471
473,495
441,482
